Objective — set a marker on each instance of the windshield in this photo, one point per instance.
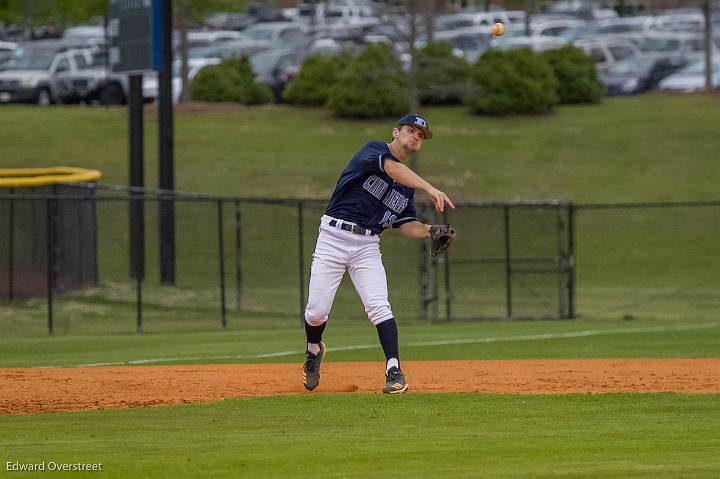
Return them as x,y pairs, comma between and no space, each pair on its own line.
99,59
661,44
574,33
260,34
204,52
32,59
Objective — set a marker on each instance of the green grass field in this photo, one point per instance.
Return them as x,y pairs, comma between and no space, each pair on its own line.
646,289
354,435
418,435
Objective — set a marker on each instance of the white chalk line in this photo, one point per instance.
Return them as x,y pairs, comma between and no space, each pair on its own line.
443,342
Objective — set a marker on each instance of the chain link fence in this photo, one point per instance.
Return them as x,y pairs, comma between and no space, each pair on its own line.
243,263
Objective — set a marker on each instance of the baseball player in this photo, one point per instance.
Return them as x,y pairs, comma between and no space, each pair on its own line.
375,191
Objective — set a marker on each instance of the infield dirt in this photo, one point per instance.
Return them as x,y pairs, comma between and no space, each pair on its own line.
37,390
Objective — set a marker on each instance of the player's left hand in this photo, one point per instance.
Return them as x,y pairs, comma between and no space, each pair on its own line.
442,237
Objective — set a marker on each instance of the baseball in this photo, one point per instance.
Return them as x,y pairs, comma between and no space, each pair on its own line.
498,29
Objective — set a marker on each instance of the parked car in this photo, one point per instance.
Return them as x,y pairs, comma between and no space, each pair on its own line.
586,10
231,49
681,22
280,34
607,50
470,42
535,43
692,77
553,28
150,87
38,71
229,21
207,38
95,83
89,33
276,68
682,44
636,75
516,19
346,22
470,19
6,52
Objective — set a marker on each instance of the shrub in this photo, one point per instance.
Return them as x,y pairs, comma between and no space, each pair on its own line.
442,77
372,86
232,80
576,74
317,75
514,81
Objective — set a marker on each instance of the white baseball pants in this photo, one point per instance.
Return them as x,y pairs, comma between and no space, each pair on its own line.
338,251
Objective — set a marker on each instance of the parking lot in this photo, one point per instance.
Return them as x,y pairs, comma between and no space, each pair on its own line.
633,54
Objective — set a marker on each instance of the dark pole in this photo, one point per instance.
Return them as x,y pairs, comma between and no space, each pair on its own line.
422,260
448,292
508,268
136,175
50,262
238,257
136,204
11,248
138,300
560,261
301,264
221,254
571,261
165,147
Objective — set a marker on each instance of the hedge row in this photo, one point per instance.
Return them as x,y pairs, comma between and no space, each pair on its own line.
374,85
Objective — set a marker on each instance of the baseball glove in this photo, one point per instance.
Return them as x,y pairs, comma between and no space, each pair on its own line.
442,237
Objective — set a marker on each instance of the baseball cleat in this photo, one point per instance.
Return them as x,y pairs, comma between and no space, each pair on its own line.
311,368
395,382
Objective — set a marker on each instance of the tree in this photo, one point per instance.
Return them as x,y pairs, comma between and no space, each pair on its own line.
189,12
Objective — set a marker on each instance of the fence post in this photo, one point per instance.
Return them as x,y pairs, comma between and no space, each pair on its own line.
11,248
136,209
50,261
560,260
571,260
508,265
138,303
221,253
423,280
238,257
448,291
301,262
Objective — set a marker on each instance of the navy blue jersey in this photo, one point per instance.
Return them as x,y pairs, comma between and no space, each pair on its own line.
367,196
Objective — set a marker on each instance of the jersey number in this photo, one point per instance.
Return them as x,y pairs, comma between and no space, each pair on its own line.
388,219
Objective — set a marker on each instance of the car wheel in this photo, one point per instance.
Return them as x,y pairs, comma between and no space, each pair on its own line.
44,98
112,95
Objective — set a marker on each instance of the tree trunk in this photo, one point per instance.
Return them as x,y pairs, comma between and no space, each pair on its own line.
429,19
414,101
182,23
528,12
707,7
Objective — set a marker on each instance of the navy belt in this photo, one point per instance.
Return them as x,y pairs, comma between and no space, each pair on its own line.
358,230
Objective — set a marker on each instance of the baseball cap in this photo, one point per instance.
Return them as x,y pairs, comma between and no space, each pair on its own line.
418,121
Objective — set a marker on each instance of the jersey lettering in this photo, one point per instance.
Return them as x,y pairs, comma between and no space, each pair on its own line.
396,201
376,186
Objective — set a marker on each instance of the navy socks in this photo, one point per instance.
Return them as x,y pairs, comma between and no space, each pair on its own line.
314,333
388,334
